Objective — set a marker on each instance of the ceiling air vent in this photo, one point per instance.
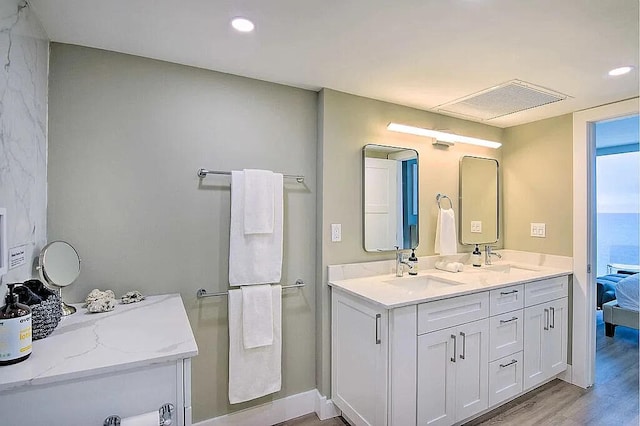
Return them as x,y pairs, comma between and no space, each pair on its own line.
498,101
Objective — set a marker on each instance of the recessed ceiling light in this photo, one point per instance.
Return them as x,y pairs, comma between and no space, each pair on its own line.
242,24
620,71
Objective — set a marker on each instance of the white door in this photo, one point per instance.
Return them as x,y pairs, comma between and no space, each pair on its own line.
472,368
535,326
380,203
359,358
438,353
555,342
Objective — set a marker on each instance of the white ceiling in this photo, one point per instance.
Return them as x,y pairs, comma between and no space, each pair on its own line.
419,53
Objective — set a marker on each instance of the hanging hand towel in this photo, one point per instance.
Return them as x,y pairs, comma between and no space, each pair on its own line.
253,372
258,201
257,316
446,240
254,258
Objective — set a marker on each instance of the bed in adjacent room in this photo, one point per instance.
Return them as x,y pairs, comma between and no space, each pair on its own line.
624,309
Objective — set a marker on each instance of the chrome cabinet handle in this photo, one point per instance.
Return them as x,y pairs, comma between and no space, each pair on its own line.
513,361
378,317
464,345
509,320
504,293
553,317
546,319
455,344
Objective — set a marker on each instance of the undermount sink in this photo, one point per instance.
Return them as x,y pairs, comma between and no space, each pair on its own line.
507,268
422,282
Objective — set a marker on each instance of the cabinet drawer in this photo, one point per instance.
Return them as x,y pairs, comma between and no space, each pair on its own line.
506,334
451,312
506,299
505,378
545,290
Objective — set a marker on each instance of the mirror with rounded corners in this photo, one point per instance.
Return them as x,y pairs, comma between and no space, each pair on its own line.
479,200
59,266
390,197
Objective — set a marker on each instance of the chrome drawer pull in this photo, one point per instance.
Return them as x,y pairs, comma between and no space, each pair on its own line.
546,319
464,345
553,317
513,361
378,340
509,320
504,293
453,336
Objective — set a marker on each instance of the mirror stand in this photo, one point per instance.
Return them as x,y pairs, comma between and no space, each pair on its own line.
66,309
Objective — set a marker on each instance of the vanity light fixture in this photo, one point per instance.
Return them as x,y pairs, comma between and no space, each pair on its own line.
441,138
620,71
242,24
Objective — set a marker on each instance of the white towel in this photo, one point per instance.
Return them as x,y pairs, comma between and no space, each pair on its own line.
449,266
254,258
446,239
257,316
258,201
253,372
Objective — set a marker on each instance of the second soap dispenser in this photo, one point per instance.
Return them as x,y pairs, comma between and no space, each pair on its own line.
413,261
476,257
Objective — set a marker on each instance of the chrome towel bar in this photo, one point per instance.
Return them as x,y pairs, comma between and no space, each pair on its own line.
204,172
201,293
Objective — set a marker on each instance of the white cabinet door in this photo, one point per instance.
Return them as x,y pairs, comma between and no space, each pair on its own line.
472,369
453,373
359,357
437,358
545,341
535,326
555,347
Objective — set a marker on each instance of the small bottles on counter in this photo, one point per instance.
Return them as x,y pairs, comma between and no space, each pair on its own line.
15,330
413,261
476,257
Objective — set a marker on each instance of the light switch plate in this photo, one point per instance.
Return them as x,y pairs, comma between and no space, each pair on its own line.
538,230
476,226
336,232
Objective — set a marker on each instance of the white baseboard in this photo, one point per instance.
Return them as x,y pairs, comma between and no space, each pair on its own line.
325,408
567,375
278,411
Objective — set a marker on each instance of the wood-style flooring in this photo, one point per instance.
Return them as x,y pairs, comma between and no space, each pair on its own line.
612,401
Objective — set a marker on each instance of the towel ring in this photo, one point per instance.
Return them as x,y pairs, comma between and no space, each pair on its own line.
440,197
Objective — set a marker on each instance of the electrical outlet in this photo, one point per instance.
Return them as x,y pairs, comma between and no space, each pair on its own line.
538,230
336,232
476,226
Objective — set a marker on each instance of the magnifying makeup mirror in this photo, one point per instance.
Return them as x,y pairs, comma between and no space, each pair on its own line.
59,266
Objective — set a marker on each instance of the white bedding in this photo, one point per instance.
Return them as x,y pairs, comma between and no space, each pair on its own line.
628,292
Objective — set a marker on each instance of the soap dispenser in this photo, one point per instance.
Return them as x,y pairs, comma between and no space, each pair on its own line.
15,330
413,261
476,257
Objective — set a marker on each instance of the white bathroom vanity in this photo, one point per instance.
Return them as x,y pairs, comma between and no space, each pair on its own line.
442,348
125,362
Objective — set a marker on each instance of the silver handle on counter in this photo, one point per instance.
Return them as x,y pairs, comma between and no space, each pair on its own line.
509,320
378,340
455,344
464,345
546,319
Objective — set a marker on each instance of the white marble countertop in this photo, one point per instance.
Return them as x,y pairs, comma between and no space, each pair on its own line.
390,291
153,331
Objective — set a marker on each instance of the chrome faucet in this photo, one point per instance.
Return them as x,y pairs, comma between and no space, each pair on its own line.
400,262
488,253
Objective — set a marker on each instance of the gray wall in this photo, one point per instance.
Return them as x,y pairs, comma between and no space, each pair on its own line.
126,136
24,53
346,124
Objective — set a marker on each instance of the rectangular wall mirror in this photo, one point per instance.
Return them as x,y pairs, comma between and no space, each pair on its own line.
479,199
390,186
